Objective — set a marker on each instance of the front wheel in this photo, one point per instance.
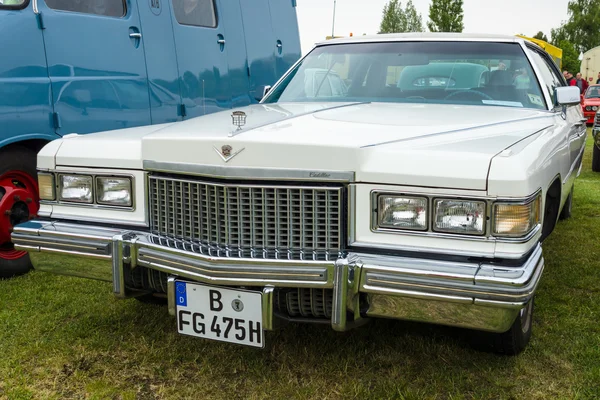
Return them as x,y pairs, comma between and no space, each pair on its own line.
514,340
19,202
596,158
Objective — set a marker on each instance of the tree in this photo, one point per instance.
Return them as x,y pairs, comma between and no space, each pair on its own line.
446,16
581,29
540,35
396,19
570,60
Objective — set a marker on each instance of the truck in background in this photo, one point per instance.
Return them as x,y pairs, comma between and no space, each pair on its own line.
554,52
97,65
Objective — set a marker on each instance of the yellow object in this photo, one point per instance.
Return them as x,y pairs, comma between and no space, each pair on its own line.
46,186
554,51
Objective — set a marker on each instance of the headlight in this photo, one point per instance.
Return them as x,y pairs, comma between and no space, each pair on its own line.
595,108
46,186
115,191
77,188
459,216
588,108
515,220
402,212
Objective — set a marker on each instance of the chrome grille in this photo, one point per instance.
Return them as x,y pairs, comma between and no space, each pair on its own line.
249,221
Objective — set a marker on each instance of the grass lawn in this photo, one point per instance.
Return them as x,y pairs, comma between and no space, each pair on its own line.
70,338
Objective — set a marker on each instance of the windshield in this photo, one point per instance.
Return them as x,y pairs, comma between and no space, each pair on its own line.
593,92
472,73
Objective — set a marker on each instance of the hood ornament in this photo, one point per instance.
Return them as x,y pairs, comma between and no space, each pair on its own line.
239,119
227,153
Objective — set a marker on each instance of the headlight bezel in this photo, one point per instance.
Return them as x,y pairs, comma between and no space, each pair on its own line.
61,187
376,214
488,219
105,203
95,203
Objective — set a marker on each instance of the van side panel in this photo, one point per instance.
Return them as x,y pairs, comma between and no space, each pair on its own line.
25,96
261,44
237,61
285,27
161,60
96,66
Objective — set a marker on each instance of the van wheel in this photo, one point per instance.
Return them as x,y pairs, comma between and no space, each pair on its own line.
19,202
514,340
596,159
568,207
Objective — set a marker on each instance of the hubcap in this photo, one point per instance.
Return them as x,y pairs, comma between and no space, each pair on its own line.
19,202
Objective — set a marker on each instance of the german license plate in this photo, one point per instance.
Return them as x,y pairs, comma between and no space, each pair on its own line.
227,315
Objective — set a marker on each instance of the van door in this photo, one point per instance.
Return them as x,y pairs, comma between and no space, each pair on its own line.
96,64
25,106
237,58
161,60
287,36
201,56
260,43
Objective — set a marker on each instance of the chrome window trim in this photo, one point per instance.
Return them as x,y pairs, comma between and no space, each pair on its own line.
94,204
223,172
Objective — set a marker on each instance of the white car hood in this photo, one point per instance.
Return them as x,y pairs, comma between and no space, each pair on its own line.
406,144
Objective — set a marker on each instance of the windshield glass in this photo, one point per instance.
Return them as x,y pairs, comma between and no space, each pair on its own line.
593,92
473,73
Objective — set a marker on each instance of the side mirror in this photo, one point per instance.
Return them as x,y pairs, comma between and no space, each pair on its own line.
568,95
261,91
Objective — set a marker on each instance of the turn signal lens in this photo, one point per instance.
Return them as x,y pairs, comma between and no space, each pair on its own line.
46,186
515,220
402,212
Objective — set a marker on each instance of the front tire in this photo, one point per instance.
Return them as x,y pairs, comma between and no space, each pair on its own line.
19,202
514,340
596,158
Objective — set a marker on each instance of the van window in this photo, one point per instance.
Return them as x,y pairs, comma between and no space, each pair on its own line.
108,8
195,12
11,3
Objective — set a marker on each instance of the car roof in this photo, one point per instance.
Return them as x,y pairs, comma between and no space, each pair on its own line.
423,36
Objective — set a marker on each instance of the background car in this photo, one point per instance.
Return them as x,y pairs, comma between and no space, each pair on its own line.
591,103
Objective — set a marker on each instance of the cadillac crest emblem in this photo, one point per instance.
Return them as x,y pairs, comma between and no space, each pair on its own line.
239,119
226,151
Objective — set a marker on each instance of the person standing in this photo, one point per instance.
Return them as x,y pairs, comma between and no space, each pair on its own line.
580,83
598,80
569,78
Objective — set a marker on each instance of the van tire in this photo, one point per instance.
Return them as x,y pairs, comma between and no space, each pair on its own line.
22,159
595,158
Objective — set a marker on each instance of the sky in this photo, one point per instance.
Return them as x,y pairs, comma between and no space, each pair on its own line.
509,17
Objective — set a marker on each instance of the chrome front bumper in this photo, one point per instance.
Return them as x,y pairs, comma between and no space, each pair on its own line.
471,295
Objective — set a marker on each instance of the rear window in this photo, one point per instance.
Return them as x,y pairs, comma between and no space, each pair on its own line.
195,12
107,8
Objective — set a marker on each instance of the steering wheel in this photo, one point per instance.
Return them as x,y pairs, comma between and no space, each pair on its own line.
467,92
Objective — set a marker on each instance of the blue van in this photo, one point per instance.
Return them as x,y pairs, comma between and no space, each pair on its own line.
81,66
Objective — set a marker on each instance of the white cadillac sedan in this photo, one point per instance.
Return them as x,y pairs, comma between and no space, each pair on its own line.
412,177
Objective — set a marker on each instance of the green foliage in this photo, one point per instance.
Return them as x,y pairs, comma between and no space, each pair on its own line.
446,16
541,36
581,29
395,19
570,60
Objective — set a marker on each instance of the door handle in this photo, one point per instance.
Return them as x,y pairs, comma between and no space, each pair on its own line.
221,42
135,35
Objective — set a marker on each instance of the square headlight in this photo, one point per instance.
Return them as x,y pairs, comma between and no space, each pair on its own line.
402,212
114,191
76,188
459,216
515,220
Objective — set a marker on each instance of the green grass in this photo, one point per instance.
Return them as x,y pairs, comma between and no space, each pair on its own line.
70,338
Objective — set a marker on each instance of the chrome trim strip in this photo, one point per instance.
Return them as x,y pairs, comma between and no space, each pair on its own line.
217,171
171,296
340,295
100,220
35,7
267,307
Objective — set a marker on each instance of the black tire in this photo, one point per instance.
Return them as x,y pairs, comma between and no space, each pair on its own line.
17,158
514,340
153,298
568,207
596,158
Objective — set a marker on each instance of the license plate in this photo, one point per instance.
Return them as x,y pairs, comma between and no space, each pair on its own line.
215,313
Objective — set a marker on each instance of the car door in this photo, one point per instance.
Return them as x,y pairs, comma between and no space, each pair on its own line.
161,60
568,120
287,38
201,48
96,64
